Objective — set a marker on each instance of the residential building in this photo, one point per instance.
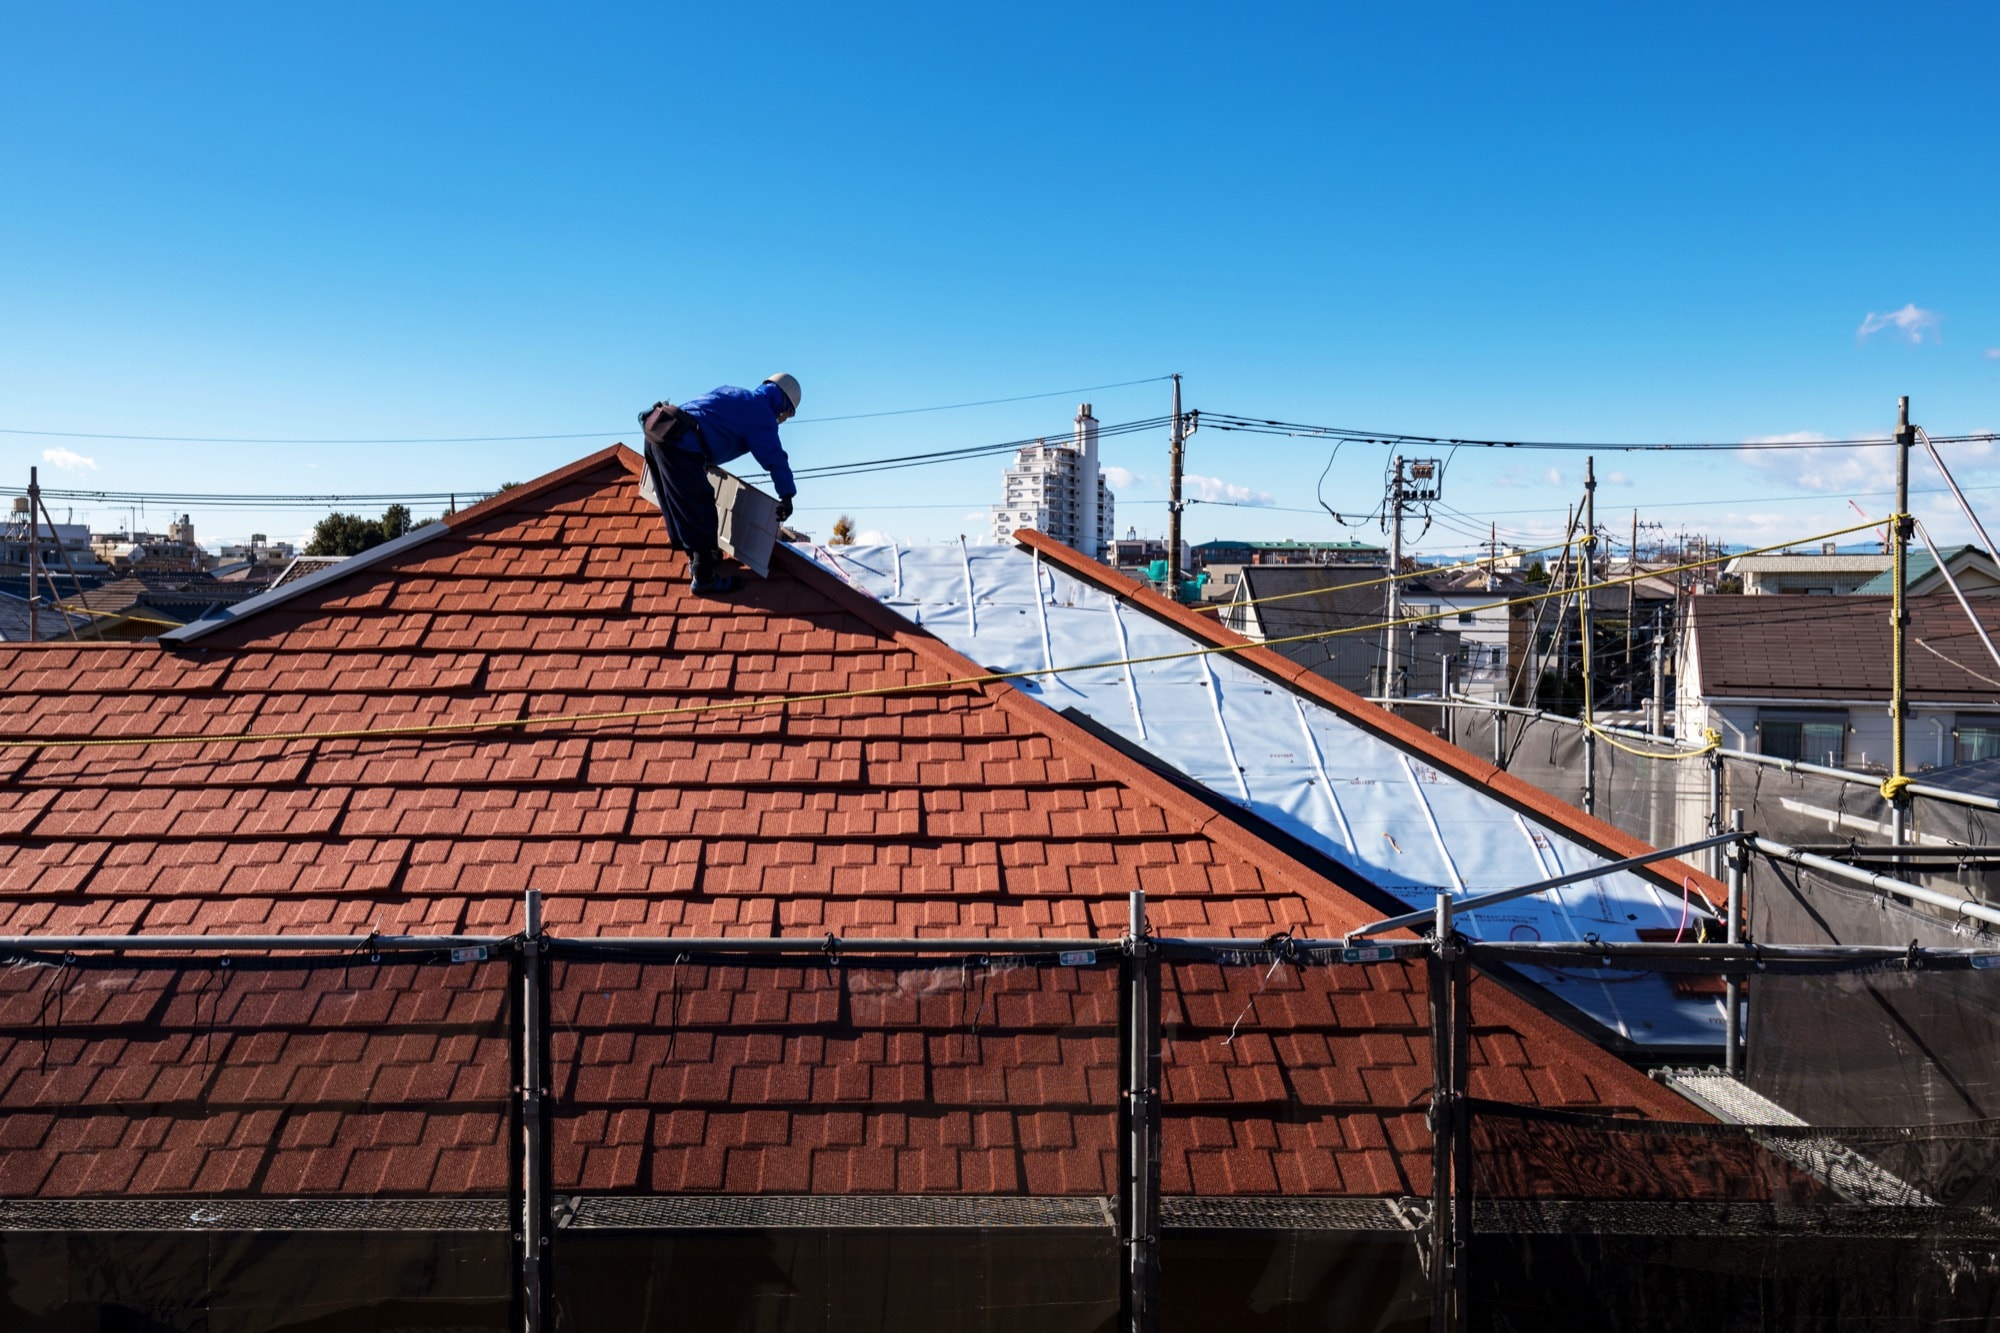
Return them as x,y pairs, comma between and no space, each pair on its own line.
1826,574
1973,570
1286,553
64,546
1329,619
173,551
1060,490
1809,679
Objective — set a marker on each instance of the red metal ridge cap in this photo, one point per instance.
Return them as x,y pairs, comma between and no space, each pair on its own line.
1588,829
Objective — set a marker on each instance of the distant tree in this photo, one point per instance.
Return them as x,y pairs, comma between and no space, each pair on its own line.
344,534
843,531
1536,574
351,534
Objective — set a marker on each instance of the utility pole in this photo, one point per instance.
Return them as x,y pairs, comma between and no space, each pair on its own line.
1631,594
34,554
1899,620
1393,636
1176,457
1659,718
1583,600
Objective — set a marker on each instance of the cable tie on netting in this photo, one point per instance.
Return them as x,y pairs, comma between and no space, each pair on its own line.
1285,950
59,984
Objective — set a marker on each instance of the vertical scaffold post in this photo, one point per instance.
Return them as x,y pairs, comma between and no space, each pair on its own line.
1586,632
1443,1044
1461,1134
1141,1211
1715,854
534,1165
1901,528
1732,998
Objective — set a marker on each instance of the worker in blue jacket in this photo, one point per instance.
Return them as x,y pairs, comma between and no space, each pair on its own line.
720,426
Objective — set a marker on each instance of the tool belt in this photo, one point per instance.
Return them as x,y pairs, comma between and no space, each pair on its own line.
665,425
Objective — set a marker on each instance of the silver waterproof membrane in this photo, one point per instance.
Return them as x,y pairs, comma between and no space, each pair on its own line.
1370,805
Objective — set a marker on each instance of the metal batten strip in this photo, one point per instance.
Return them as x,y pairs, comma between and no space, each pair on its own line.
1970,907
1131,676
1437,836
1214,692
1543,886
1325,782
971,612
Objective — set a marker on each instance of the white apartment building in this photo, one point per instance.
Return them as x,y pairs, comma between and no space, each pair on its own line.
1057,489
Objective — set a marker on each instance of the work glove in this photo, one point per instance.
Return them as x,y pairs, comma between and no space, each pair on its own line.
785,509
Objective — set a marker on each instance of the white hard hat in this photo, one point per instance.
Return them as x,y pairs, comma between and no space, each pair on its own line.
788,384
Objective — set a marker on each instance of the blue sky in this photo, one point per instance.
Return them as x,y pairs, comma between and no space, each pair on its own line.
1554,222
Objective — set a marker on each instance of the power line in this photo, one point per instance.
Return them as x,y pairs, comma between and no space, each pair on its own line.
1265,426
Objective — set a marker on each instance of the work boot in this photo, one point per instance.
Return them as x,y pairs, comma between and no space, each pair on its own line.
708,579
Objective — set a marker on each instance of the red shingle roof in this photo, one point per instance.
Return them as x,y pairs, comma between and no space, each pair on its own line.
956,811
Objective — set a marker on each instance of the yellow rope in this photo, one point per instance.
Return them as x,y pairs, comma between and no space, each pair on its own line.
778,700
1892,787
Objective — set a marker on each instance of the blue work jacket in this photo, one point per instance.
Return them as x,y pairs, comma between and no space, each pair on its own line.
734,422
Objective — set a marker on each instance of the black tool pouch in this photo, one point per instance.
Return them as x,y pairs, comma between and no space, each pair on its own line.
664,425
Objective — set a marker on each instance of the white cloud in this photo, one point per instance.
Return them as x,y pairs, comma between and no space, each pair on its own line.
1215,489
975,518
1618,479
1912,323
1124,478
68,460
1828,471
1553,476
1992,354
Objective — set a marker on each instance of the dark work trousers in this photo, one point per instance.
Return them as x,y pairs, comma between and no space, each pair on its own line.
686,498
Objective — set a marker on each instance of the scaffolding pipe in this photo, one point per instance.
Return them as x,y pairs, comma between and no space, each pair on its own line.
1438,976
1142,1124
1470,905
257,943
1545,953
1916,893
1715,812
1732,1027
825,945
534,1204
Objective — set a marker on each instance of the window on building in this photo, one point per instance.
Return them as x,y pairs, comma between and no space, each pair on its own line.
1976,737
1467,618
1809,738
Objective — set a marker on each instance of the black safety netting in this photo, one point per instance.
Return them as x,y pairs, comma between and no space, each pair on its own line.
1832,1188
833,1142
1906,1041
222,1144
1293,1140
